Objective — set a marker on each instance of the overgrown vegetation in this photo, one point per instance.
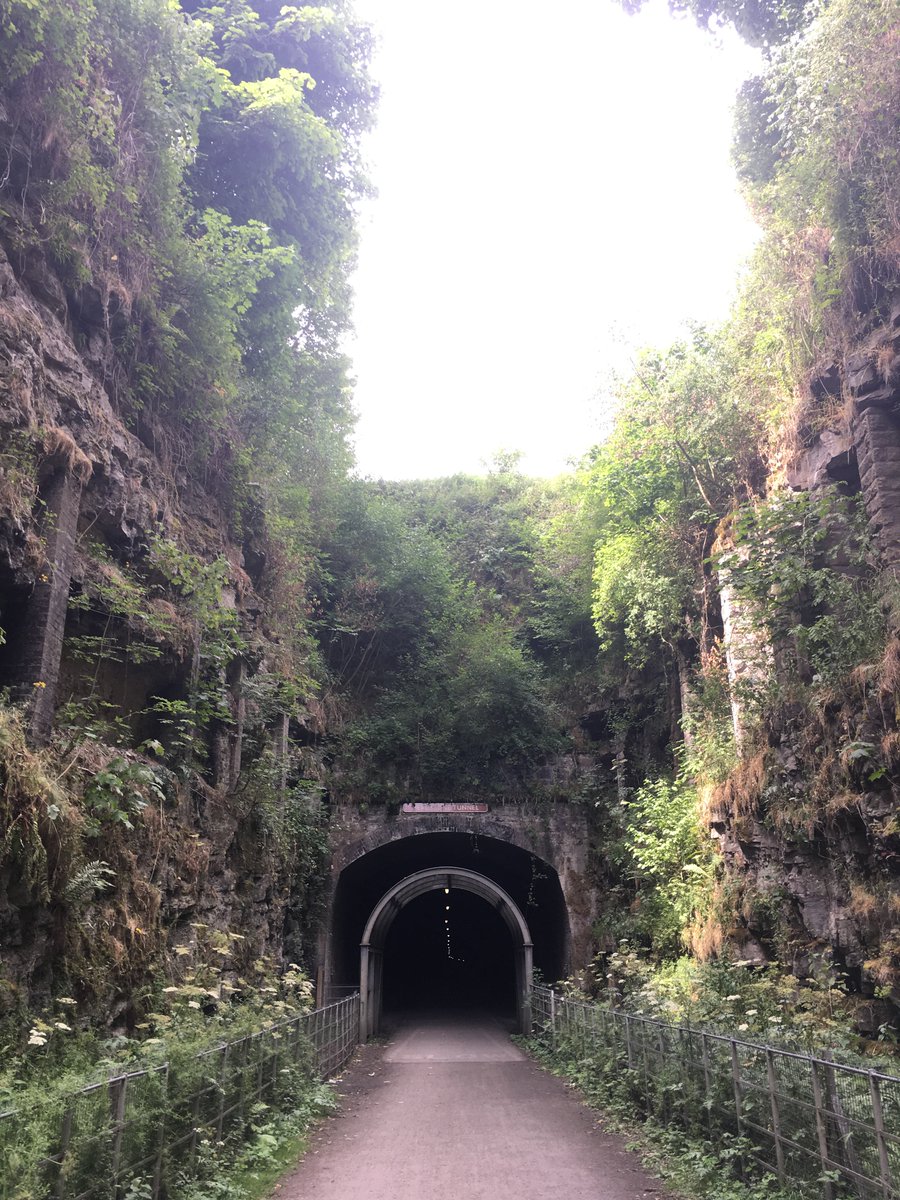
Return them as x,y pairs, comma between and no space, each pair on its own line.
244,1122
763,611
701,654
694,1165
450,630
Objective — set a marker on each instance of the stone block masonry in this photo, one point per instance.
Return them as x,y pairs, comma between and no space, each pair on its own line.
37,657
871,376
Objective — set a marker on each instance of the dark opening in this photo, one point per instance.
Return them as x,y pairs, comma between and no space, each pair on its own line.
531,882
844,471
111,674
14,621
597,725
449,952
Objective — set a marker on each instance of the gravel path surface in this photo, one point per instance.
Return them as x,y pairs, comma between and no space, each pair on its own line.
450,1109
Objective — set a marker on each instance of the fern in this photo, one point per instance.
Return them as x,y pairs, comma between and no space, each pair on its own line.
93,877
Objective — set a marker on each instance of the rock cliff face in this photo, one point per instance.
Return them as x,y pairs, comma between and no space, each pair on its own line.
809,823
107,529
872,376
82,499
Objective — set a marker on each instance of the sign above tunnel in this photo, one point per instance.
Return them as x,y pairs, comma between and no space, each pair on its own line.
415,810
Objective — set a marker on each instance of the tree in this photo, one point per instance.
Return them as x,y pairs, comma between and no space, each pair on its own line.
683,451
764,23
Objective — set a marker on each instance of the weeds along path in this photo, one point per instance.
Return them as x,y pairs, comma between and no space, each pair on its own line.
450,1109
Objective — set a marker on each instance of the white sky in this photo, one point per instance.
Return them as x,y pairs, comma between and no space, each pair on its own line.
554,185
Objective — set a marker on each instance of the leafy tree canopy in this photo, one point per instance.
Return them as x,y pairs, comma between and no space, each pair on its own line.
764,23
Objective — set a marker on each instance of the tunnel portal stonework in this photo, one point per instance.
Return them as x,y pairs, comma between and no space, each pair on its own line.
545,835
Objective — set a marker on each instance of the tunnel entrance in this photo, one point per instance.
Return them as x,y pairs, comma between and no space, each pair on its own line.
466,957
532,883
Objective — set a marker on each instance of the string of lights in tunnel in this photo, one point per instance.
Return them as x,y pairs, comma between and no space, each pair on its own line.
450,953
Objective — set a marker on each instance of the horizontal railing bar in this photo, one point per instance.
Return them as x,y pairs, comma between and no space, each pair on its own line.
761,1047
838,1118
331,1032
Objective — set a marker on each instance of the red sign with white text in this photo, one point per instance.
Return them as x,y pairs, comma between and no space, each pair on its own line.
413,810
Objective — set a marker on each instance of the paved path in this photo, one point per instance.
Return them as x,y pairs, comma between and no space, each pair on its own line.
452,1110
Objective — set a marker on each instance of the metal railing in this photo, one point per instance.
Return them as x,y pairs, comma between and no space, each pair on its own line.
825,1128
155,1123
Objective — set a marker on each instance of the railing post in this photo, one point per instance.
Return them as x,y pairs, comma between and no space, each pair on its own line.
736,1086
638,1025
223,1081
776,1116
704,1043
665,1102
242,1079
260,1064
845,1129
821,1131
738,1097
553,1018
65,1134
118,1088
884,1161
692,1104
161,1137
195,1132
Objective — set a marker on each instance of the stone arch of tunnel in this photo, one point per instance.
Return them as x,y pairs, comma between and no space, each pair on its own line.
418,973
447,882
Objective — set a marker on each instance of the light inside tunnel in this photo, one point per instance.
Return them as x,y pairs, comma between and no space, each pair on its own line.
471,969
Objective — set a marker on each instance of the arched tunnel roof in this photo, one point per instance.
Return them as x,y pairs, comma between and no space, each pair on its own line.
432,879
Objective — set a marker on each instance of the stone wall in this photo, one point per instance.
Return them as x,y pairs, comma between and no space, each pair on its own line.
73,472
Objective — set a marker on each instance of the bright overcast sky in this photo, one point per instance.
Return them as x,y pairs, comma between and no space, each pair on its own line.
553,181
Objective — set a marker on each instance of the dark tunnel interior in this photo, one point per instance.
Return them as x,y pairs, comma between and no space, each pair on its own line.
480,969
449,951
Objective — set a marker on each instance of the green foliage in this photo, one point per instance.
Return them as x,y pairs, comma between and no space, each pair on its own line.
684,447
684,444
195,168
753,1001
110,94
817,140
767,23
423,638
59,1059
276,1141
671,858
642,590
810,581
34,809
290,819
116,622
118,791
85,883
136,614
710,750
